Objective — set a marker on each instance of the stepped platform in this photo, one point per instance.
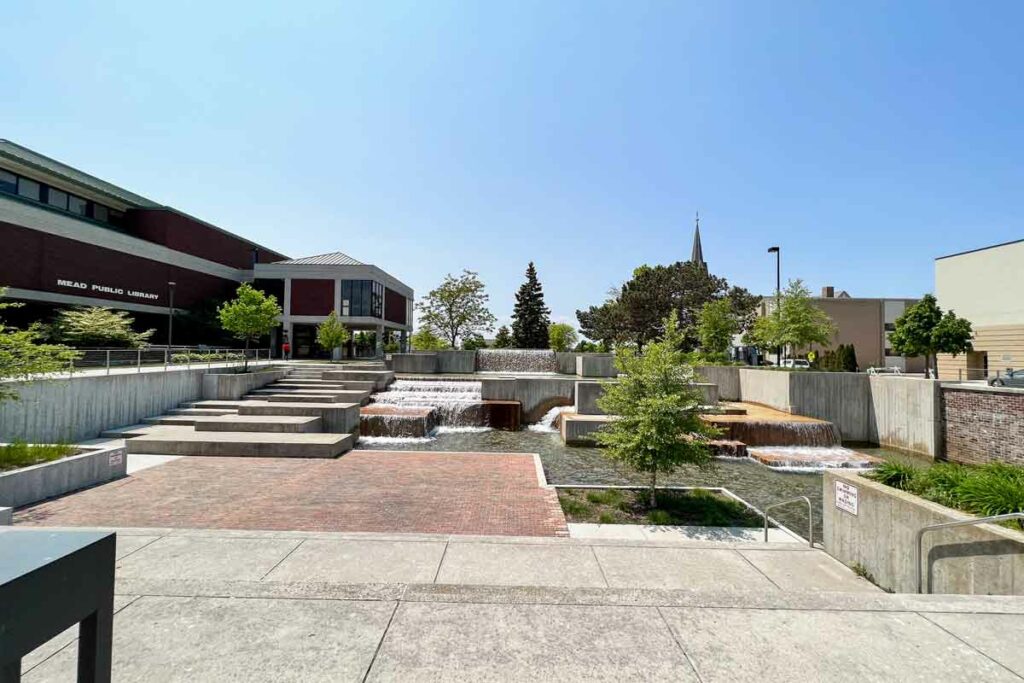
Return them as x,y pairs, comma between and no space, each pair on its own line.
216,404
380,378
307,384
188,441
178,420
201,411
336,418
275,424
130,431
578,430
333,395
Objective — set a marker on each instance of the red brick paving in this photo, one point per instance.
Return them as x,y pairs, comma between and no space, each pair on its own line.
380,491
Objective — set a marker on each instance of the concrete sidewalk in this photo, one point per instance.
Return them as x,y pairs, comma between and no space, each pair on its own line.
201,605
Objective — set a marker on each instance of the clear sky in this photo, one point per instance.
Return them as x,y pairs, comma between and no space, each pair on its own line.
864,138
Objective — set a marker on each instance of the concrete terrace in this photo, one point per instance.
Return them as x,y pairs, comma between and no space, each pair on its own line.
271,606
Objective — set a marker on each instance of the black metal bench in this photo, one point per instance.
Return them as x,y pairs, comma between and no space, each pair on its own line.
49,581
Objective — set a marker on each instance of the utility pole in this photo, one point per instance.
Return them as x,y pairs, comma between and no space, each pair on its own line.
778,295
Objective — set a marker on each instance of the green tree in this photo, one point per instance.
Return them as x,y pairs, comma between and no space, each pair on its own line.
658,407
923,330
249,316
474,342
97,326
457,308
425,339
562,336
503,340
530,316
635,312
795,323
716,325
331,333
24,356
587,346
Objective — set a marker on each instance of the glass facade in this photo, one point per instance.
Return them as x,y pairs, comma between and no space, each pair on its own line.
12,183
362,298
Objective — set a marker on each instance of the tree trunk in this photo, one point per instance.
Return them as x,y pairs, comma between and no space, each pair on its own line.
245,356
654,485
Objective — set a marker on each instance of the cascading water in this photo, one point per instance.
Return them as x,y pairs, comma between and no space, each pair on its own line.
516,360
549,423
455,403
755,432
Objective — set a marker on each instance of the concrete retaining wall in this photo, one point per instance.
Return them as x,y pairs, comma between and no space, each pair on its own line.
596,365
537,395
232,387
460,362
984,559
902,412
55,410
566,362
587,393
726,377
415,363
50,479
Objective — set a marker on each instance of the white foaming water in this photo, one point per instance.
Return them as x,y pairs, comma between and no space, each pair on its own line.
465,429
516,360
813,458
456,403
394,439
547,423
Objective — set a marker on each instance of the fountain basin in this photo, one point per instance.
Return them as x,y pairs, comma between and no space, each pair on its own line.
812,458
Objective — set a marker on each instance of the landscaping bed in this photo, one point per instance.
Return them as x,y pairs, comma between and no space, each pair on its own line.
984,490
20,454
692,507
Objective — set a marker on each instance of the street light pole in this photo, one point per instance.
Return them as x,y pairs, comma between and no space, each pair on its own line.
170,314
778,295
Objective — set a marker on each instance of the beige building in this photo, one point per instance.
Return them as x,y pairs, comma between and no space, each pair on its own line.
865,323
985,286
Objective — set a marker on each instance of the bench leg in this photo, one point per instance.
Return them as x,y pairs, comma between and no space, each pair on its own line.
95,635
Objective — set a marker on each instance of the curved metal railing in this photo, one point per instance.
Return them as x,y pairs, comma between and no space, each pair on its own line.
810,516
949,525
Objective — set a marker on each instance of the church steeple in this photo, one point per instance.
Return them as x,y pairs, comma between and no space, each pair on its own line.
698,253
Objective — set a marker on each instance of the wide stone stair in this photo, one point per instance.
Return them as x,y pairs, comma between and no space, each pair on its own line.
308,414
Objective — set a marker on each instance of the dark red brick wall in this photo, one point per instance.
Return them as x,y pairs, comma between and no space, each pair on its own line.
181,233
30,259
394,307
983,426
312,297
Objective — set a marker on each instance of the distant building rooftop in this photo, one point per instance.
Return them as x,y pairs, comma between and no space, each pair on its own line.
334,258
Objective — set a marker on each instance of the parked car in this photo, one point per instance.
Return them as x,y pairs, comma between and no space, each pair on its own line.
1012,378
795,363
884,371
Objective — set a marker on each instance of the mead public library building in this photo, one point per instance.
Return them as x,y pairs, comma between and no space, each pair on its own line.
72,239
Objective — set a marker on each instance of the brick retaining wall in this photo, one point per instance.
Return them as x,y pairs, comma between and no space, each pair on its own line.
983,424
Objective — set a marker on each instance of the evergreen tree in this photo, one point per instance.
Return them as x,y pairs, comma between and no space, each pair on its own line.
530,319
503,340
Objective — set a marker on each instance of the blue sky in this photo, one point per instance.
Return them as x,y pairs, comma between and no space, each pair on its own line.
864,138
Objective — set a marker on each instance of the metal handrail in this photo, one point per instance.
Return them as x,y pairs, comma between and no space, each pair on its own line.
810,516
949,525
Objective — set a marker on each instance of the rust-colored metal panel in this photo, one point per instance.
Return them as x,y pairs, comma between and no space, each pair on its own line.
394,307
312,297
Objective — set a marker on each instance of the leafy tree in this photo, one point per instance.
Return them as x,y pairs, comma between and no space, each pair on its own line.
716,325
635,313
795,323
24,356
97,326
503,340
457,308
474,342
848,358
250,315
331,333
658,407
425,339
561,336
530,316
587,346
923,330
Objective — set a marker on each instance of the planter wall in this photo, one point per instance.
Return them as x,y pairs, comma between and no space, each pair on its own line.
456,362
232,387
880,537
423,363
50,479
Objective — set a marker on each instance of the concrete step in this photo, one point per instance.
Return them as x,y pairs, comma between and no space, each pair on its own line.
188,441
176,420
294,424
201,411
306,384
336,418
216,404
380,378
361,367
361,397
129,432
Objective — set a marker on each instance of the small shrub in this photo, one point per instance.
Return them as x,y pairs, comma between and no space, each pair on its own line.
607,518
993,490
896,474
21,454
606,497
659,517
940,483
574,507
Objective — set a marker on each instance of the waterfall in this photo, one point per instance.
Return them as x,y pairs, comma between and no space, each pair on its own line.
516,360
549,423
811,458
754,432
454,402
